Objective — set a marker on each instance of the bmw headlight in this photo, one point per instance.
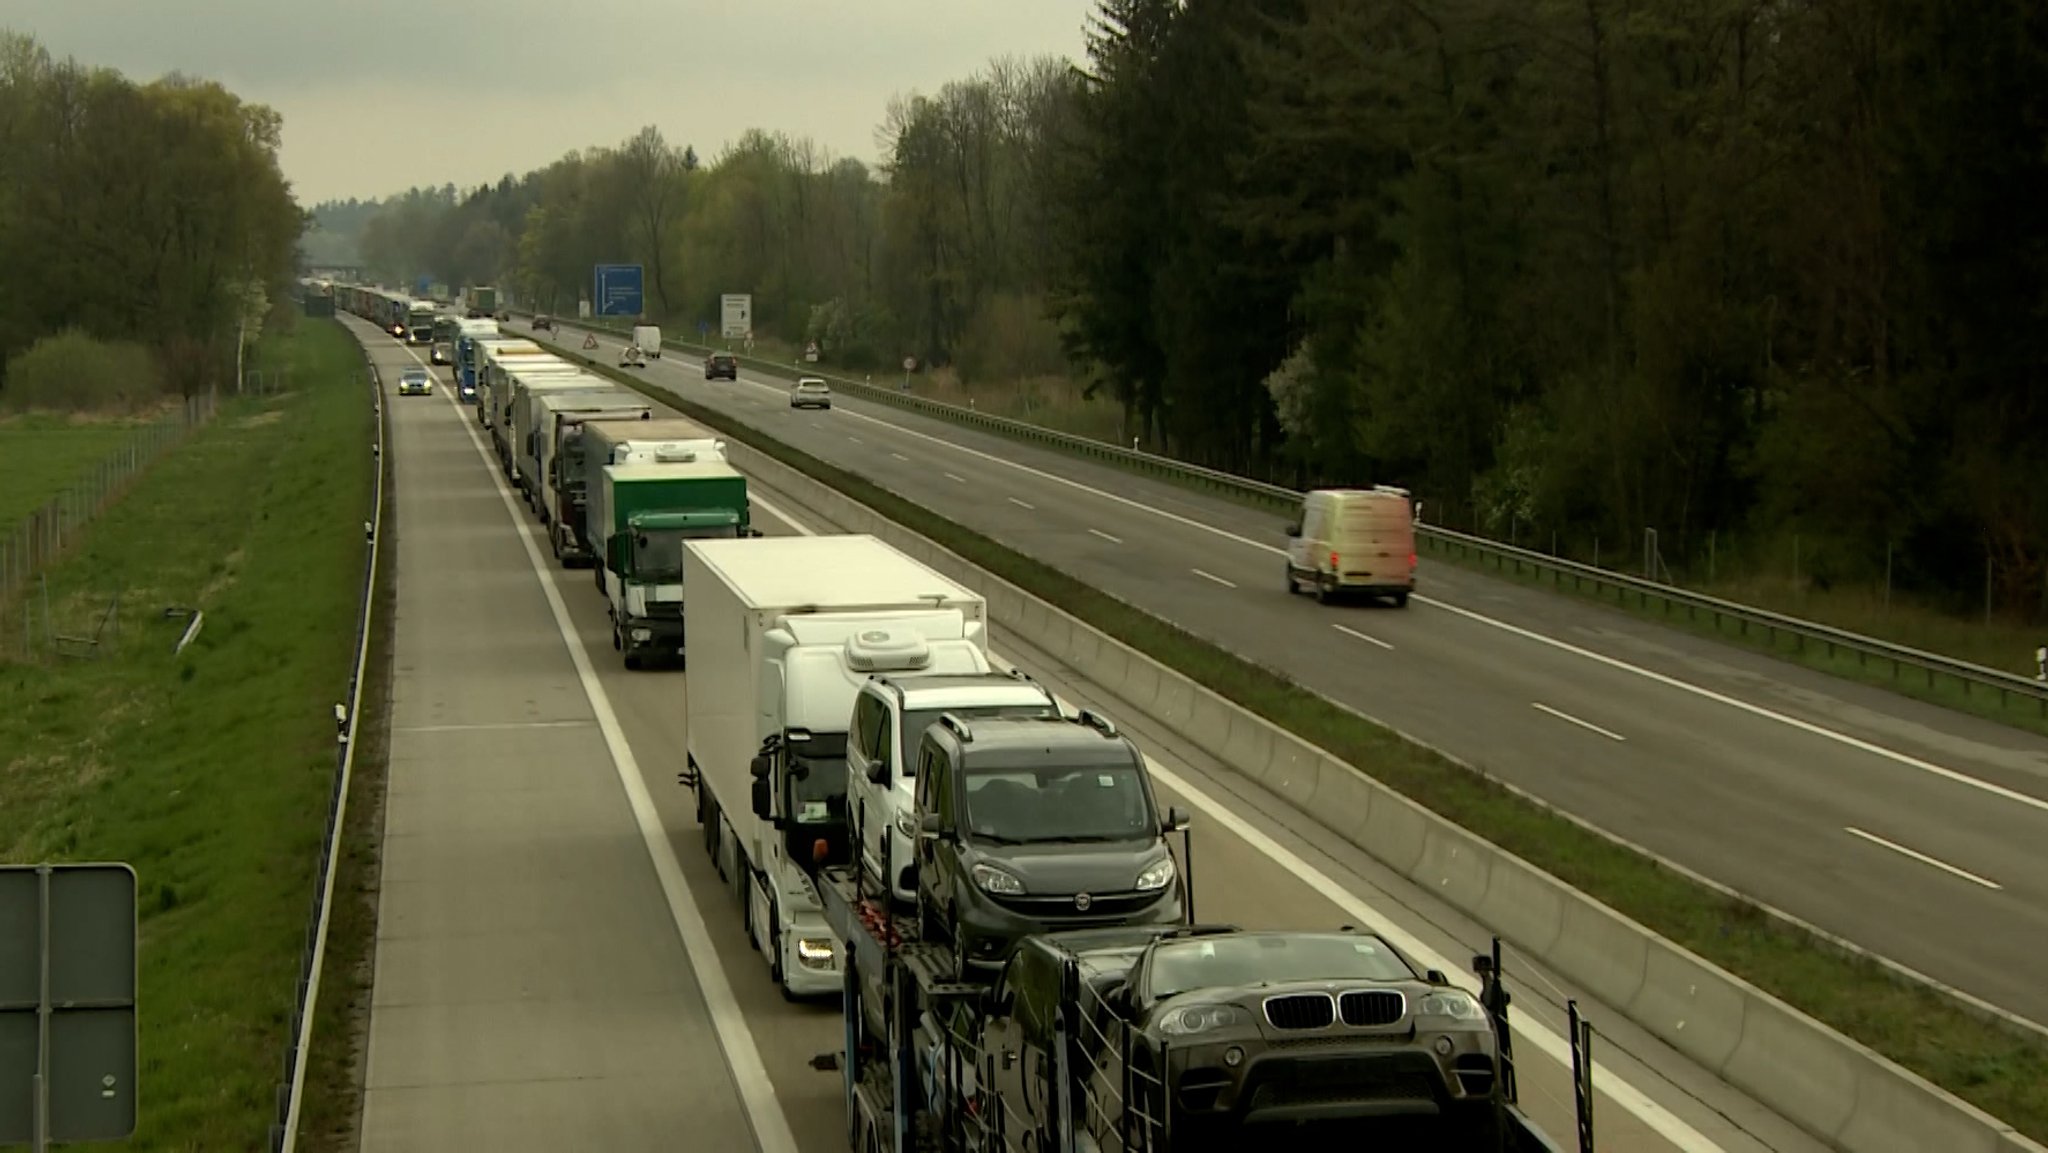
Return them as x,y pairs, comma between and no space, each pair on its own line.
1194,1019
994,880
1158,876
1452,1003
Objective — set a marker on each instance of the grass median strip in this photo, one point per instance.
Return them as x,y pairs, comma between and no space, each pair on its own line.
209,772
1984,1063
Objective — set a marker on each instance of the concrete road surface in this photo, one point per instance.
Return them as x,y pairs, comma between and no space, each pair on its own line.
1903,827
1250,866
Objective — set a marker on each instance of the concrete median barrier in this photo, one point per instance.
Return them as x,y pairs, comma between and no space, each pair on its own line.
1834,1088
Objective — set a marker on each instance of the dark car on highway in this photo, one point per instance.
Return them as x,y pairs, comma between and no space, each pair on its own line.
721,366
1037,825
1222,1035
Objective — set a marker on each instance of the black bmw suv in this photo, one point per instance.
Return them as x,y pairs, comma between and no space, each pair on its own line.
721,366
1037,825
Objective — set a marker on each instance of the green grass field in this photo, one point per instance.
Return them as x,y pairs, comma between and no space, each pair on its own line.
208,772
41,455
1986,1064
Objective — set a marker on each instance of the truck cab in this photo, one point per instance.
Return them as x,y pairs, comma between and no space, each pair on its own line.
1035,826
889,719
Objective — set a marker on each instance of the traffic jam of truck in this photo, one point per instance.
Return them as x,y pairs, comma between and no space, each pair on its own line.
982,874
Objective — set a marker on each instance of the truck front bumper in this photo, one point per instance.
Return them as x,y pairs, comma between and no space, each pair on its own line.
653,636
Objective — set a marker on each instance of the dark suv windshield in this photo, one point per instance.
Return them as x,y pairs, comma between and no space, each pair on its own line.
1260,959
1053,803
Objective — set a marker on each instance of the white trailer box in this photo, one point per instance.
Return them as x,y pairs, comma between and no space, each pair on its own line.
525,422
558,447
783,632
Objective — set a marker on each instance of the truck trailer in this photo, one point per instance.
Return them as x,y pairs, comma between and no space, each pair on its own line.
558,446
488,351
641,514
480,301
1164,1039
531,425
783,630
506,385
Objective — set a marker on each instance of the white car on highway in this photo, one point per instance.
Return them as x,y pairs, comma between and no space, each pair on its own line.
416,382
810,392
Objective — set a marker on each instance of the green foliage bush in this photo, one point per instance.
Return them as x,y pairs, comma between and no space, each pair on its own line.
72,372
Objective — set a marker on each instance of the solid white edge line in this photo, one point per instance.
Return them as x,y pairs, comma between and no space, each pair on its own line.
1371,640
1550,1043
1923,858
1566,717
1209,576
302,1046
1821,731
742,1056
1106,536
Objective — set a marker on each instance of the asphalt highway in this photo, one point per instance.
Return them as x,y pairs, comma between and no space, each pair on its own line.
1903,827
613,905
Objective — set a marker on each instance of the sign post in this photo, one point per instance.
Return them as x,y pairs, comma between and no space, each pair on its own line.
736,315
619,291
67,1003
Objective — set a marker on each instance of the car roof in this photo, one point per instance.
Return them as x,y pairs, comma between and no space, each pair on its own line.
415,370
802,381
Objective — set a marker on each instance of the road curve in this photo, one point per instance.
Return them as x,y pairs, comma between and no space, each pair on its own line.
1252,865
1898,825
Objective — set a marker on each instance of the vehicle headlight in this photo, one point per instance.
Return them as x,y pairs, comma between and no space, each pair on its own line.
815,954
994,880
1452,1003
1186,1022
1156,877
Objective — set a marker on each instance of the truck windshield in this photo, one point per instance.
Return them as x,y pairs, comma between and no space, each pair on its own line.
658,553
1271,959
817,779
1056,803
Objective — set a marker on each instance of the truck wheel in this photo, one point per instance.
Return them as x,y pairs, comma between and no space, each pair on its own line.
633,663
618,645
1400,600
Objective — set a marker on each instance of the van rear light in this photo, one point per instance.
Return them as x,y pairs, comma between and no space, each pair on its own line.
1411,560
1333,560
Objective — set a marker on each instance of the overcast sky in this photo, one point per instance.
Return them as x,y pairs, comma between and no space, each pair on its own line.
379,95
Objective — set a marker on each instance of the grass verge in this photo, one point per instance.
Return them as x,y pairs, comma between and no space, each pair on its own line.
338,1064
42,455
1984,1063
208,772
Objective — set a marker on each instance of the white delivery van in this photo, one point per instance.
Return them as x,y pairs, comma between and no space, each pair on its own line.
1353,541
647,338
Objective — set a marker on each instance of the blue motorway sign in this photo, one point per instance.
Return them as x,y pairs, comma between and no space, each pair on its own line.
618,291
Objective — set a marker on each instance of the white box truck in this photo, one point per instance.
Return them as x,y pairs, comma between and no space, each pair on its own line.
782,633
526,417
558,455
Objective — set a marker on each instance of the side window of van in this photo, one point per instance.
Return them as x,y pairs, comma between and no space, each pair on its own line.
867,727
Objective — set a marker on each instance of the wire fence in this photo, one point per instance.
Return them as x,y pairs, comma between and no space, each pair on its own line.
42,538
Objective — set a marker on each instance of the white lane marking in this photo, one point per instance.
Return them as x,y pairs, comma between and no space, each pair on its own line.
901,457
1023,504
1213,577
1354,633
856,440
1821,731
749,1074
492,728
1923,858
1551,1043
961,479
1106,536
1566,717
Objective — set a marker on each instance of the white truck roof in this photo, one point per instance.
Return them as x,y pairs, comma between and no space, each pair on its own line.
702,467
826,572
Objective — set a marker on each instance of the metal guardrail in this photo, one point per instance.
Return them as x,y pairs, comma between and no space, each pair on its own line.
1973,678
292,1085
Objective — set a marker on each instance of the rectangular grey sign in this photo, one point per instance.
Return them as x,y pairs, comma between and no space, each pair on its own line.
75,923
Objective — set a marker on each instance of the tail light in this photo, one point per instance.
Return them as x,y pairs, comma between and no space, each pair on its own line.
1333,560
1411,560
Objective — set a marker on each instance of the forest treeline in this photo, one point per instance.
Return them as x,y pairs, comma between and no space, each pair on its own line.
1736,270
142,226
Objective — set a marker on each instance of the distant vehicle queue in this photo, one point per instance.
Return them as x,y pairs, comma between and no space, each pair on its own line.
984,877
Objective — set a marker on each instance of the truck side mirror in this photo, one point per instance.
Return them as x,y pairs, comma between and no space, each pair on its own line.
931,827
1176,820
615,553
760,767
762,795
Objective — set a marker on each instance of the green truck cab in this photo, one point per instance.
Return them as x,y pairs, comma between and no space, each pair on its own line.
640,514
